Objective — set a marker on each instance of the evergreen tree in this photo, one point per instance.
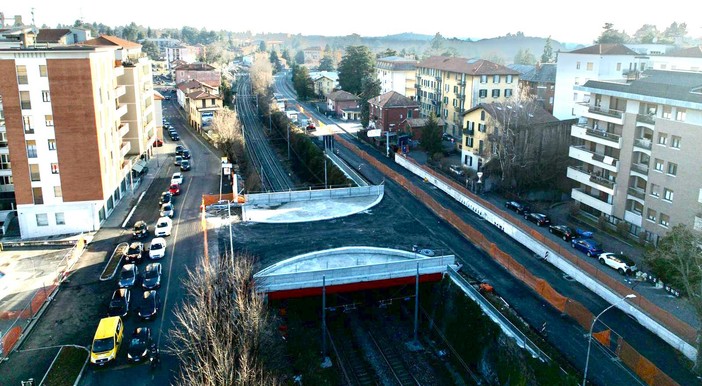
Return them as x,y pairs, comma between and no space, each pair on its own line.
431,136
300,57
370,86
277,66
547,56
326,64
356,64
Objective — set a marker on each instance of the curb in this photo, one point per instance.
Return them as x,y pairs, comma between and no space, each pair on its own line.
110,259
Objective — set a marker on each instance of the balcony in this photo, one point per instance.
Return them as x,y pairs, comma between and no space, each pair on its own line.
468,131
596,159
5,165
123,129
645,118
594,202
633,218
636,193
597,136
119,70
120,90
643,144
590,179
125,148
602,114
7,188
641,169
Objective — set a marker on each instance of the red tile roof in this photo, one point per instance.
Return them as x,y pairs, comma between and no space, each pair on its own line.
466,66
107,40
197,66
392,99
341,95
199,94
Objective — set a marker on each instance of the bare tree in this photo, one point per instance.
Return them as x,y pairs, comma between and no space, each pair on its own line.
230,137
223,334
261,74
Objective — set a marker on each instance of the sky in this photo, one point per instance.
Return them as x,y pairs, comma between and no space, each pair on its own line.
564,21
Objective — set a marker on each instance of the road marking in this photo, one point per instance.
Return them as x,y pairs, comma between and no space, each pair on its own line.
131,212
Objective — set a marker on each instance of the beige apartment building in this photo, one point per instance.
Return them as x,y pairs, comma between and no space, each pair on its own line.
637,152
448,87
77,119
398,74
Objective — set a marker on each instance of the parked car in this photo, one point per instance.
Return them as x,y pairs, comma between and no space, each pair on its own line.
166,197
562,231
184,165
140,230
158,143
157,249
128,275
448,137
177,160
175,137
164,226
174,189
134,252
119,303
152,276
457,170
150,303
177,178
179,149
139,344
518,207
619,262
588,246
186,154
166,210
539,219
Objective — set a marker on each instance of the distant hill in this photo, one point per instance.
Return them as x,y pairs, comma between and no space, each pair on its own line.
409,36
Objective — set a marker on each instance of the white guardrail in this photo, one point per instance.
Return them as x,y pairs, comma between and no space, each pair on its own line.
558,261
318,194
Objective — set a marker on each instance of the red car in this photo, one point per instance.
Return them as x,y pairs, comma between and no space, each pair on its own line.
158,143
174,189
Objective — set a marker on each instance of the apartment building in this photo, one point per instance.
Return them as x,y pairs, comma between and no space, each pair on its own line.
187,54
389,111
539,82
202,72
612,61
398,74
70,140
637,151
448,87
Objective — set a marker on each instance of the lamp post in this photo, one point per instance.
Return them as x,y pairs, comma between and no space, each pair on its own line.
589,343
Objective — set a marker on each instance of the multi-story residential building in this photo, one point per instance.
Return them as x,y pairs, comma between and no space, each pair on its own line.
637,148
538,81
186,88
389,111
449,86
398,74
188,54
201,107
611,62
62,36
202,72
312,55
72,140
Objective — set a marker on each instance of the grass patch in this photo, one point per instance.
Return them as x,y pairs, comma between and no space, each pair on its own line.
66,367
112,264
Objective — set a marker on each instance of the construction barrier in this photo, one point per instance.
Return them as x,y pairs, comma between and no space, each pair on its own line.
644,368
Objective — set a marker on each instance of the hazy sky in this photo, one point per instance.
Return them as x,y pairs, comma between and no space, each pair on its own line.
565,21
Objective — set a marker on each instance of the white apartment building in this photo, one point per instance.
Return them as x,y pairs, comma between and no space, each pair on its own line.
398,74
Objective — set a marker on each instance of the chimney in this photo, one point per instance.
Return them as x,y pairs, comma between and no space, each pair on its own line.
18,21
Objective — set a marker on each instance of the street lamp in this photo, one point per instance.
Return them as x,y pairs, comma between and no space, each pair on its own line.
589,343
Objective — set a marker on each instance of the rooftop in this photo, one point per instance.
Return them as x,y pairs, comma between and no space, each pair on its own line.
606,49
392,99
466,66
671,85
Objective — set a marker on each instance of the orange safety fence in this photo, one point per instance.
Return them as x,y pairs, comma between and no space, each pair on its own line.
646,370
554,298
581,314
208,199
9,340
603,337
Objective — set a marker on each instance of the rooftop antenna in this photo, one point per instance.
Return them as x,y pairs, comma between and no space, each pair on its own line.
33,17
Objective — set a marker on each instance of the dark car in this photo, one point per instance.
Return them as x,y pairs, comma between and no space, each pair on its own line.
184,165
175,137
119,304
185,154
518,207
589,246
179,149
166,198
539,219
140,230
150,303
562,231
139,344
134,252
128,276
152,276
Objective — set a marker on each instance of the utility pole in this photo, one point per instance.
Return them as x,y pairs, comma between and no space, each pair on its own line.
288,142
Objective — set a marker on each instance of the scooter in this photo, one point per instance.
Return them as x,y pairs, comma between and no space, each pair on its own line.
154,356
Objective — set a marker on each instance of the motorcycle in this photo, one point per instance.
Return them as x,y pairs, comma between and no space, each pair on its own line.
154,356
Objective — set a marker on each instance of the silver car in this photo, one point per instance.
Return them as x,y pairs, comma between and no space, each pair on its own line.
128,275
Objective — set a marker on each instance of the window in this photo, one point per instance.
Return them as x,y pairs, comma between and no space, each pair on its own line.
469,141
482,93
680,114
5,180
22,75
38,197
52,144
27,123
575,97
483,78
481,127
45,96
496,93
60,219
662,139
675,142
508,79
31,149
495,79
577,65
589,66
667,112
54,168
24,100
49,119
57,192
482,115
664,220
672,168
655,190
651,215
42,220
658,164
508,92
619,66
668,195
34,172
42,71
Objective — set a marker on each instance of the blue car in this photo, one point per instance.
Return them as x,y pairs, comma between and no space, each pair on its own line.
588,246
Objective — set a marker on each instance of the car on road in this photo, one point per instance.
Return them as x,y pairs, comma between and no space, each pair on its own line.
166,197
186,154
152,276
128,275
177,160
457,170
150,304
164,225
107,340
588,246
539,219
175,137
179,149
562,231
139,344
518,207
166,210
119,304
157,249
174,189
184,165
619,262
140,230
177,178
134,252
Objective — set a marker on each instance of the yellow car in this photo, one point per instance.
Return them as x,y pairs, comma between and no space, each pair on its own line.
108,338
